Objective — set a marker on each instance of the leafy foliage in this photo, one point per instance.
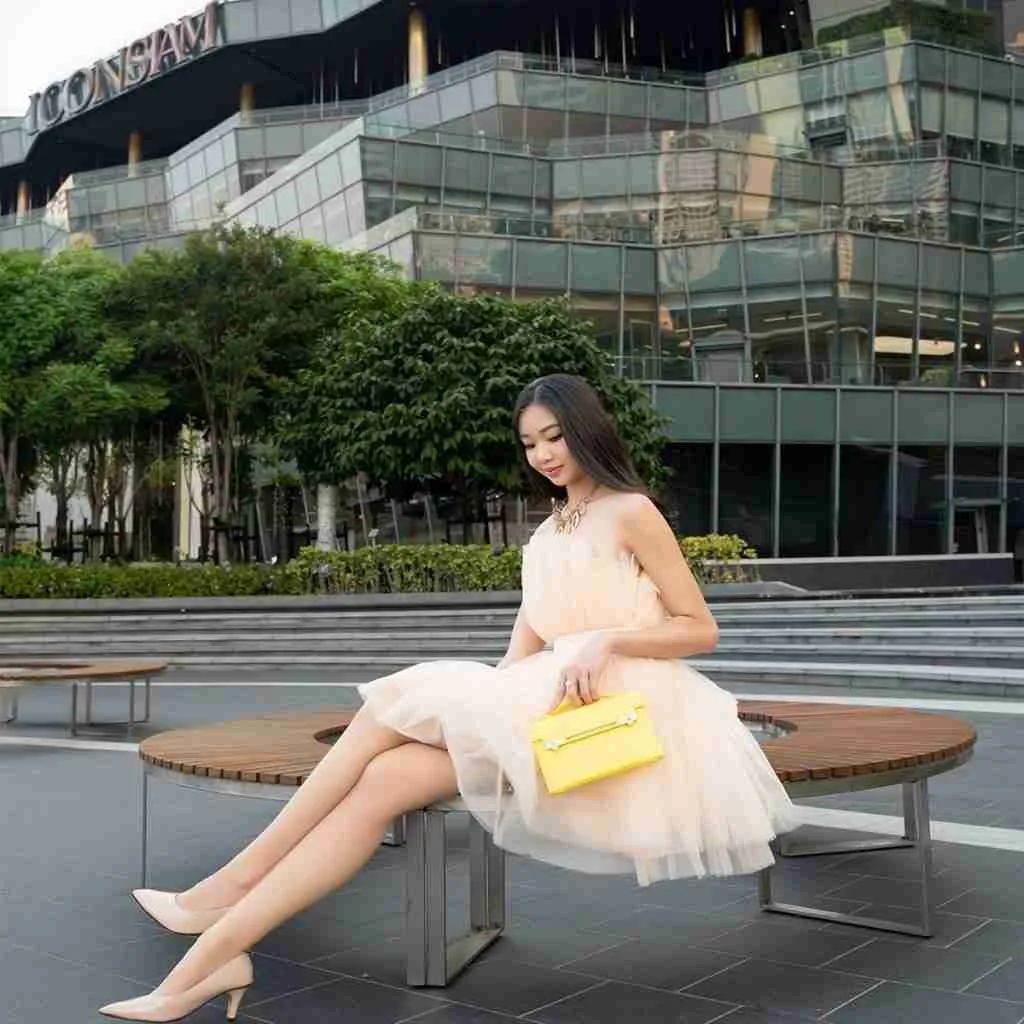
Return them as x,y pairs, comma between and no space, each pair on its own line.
396,568
424,398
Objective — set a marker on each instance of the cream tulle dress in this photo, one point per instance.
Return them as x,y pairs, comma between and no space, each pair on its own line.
709,807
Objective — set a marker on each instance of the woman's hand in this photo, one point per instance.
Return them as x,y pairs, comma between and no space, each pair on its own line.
579,681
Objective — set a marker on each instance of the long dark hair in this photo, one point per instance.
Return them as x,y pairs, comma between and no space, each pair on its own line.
589,433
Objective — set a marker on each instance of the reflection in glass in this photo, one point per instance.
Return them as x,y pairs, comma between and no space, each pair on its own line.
688,490
921,500
745,494
806,501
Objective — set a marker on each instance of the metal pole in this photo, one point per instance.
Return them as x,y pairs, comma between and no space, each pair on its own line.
145,827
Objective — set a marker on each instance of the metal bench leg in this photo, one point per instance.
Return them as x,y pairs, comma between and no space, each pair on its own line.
89,704
395,835
147,706
145,829
917,825
426,900
8,706
74,709
433,960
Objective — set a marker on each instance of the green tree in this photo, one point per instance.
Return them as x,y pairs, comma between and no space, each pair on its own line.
423,399
29,322
229,318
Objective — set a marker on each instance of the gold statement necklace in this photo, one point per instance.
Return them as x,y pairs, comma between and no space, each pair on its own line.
567,517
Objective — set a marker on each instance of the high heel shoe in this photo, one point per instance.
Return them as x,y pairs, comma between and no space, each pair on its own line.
232,980
164,908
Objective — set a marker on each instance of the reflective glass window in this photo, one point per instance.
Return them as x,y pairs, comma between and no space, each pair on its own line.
512,176
351,163
897,264
964,70
543,91
311,224
483,260
284,140
627,100
378,160
586,95
778,91
931,110
437,257
215,157
542,265
466,171
424,111
485,91
603,176
714,267
639,274
940,269
960,114
994,121
736,101
418,165
596,268
996,77
976,273
867,72
456,101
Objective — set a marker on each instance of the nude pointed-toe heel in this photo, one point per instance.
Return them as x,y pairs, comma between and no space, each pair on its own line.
164,908
232,980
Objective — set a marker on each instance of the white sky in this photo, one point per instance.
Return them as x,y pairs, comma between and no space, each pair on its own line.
45,41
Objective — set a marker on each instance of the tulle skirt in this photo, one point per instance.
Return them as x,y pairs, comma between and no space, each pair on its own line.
710,806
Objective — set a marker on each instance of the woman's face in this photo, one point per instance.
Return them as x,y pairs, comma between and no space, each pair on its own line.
546,450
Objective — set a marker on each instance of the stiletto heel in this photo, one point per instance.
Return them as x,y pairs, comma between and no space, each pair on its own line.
235,1001
232,980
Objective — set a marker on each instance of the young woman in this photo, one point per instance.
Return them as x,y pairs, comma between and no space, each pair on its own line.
606,586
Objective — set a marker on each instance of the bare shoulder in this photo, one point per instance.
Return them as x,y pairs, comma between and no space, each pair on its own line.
637,517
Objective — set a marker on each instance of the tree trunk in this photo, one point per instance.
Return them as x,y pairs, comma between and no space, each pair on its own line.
326,517
12,495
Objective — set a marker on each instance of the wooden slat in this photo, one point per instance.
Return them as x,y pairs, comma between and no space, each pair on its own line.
822,741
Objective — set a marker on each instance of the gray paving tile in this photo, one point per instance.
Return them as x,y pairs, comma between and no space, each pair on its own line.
995,938
344,1000
549,945
948,969
947,928
1004,904
892,1003
308,939
614,1003
512,987
899,892
788,940
1005,982
464,1015
783,988
38,988
668,966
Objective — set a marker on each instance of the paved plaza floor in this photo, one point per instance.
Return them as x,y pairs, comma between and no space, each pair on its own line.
580,949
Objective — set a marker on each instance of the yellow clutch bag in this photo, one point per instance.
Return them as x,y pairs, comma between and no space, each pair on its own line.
596,741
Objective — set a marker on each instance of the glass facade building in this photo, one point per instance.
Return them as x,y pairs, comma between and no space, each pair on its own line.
814,261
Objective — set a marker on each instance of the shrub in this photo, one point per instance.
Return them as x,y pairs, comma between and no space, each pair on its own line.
389,569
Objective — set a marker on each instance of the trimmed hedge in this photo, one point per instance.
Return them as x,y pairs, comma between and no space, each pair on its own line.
396,568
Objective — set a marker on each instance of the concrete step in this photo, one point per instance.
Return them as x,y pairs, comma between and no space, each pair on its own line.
994,682
1010,657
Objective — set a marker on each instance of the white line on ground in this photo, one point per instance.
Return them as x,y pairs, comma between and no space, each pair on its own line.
890,825
66,744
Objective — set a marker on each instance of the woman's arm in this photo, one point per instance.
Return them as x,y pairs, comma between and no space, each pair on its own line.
522,643
691,629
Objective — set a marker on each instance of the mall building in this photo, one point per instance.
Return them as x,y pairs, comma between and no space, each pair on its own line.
808,246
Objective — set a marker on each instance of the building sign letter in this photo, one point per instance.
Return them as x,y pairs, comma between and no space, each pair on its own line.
157,53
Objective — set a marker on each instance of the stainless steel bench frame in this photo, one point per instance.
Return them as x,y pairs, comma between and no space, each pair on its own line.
433,958
10,692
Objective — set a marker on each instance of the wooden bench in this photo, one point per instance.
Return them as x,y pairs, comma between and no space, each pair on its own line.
23,675
815,749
